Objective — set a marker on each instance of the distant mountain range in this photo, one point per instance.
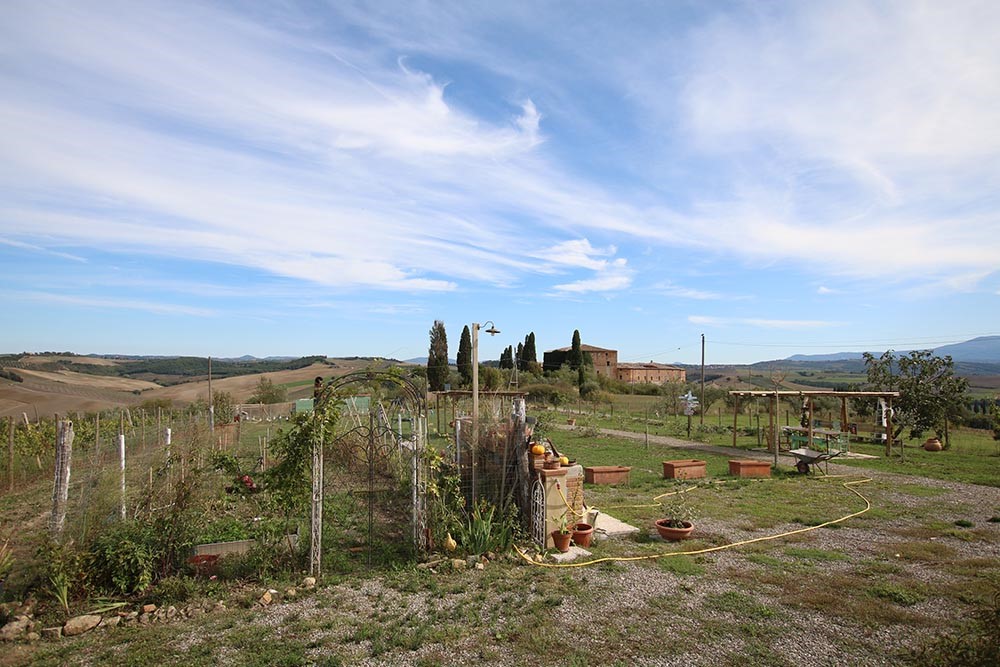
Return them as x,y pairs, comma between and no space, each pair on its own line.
985,349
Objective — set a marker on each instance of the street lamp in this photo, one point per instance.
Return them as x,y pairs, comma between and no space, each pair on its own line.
493,331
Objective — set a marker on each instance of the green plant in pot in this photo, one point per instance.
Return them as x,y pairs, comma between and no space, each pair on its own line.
562,535
678,522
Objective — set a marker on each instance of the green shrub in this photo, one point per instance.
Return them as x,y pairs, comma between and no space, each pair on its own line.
125,558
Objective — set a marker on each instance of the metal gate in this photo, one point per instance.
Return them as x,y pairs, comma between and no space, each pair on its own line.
369,472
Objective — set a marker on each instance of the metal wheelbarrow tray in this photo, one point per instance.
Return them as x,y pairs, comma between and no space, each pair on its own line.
806,457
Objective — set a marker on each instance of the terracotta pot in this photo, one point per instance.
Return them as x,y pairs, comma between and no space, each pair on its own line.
582,534
933,445
674,534
561,540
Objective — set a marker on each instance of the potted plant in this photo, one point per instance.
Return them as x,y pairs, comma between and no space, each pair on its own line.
562,535
677,524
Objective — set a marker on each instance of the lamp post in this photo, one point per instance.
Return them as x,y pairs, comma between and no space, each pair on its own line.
493,331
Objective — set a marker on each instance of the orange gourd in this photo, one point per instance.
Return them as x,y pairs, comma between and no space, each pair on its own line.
538,450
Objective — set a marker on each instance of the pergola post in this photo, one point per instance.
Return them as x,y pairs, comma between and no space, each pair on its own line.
736,413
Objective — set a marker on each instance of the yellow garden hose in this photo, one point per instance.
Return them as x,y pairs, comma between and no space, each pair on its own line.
849,485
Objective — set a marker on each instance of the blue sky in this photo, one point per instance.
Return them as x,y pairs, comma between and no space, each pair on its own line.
331,177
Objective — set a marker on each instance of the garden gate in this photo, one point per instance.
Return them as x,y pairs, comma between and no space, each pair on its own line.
369,473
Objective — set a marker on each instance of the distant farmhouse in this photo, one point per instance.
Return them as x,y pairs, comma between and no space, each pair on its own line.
652,373
606,364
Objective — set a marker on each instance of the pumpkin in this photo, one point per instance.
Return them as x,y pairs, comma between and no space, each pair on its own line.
537,449
564,460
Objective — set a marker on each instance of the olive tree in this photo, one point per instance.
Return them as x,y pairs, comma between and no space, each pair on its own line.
929,392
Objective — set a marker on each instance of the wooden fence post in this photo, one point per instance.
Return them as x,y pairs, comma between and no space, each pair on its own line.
10,455
60,490
121,460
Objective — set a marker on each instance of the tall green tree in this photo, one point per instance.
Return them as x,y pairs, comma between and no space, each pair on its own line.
530,353
929,393
521,365
267,392
575,356
437,357
464,356
507,358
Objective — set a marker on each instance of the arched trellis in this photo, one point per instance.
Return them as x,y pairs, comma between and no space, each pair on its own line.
378,444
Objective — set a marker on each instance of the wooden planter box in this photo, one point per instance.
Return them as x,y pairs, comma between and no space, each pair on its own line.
683,469
749,468
606,474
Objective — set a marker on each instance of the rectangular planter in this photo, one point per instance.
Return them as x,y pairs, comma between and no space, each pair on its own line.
607,474
683,469
237,547
749,468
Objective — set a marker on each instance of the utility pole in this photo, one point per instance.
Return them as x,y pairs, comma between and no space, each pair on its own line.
211,403
475,397
704,407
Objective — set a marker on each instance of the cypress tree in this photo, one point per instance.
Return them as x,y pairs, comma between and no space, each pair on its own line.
437,357
575,356
530,355
520,357
464,356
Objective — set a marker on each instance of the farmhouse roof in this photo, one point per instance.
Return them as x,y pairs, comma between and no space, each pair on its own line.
584,348
652,365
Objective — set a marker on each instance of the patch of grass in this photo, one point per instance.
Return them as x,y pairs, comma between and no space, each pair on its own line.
681,565
964,523
919,490
735,602
895,593
766,560
807,553
925,552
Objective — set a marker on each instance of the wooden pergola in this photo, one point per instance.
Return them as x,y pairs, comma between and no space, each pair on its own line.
775,395
455,395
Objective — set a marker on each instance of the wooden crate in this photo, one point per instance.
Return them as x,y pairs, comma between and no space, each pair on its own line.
683,469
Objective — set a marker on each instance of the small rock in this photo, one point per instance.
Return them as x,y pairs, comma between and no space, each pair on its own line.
480,566
219,606
14,629
148,608
265,599
145,619
52,633
195,612
309,582
458,564
171,611
32,636
81,624
291,592
111,621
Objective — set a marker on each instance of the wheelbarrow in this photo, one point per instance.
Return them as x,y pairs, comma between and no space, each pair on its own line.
806,457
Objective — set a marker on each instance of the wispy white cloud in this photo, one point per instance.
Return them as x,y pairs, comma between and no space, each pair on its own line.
669,288
762,323
39,249
822,289
155,307
614,276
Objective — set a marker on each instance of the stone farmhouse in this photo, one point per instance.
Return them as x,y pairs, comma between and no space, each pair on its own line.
606,364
